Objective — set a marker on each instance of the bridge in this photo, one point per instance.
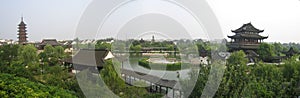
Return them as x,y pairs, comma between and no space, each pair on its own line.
156,84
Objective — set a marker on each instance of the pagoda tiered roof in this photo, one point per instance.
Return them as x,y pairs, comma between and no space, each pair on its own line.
22,32
246,37
252,36
247,28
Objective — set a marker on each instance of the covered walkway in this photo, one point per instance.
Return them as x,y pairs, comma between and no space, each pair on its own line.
156,84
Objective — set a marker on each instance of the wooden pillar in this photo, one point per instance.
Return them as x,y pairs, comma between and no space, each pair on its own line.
179,93
150,87
125,77
166,90
173,93
122,65
129,80
159,89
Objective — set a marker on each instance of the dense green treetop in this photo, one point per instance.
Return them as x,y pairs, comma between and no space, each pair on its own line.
12,86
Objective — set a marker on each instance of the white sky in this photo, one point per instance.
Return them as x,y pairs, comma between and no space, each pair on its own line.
59,18
279,18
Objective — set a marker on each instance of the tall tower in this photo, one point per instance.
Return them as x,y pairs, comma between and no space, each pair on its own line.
153,40
22,35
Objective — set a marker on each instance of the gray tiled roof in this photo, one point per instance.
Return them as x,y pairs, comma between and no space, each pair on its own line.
89,57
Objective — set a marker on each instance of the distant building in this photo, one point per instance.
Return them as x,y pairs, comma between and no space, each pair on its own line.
291,52
6,42
22,35
153,40
52,42
246,38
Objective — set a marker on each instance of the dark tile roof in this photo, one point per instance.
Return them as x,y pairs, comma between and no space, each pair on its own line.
52,42
247,28
251,53
256,36
291,52
89,57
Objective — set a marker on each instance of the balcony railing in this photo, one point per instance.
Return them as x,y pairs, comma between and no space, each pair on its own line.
243,45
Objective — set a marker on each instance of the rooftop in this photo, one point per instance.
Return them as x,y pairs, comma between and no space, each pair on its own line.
247,28
243,35
52,42
89,57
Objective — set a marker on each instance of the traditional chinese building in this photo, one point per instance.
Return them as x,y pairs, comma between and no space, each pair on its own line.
291,52
52,42
22,35
88,59
246,38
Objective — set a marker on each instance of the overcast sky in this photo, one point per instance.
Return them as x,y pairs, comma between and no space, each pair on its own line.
59,18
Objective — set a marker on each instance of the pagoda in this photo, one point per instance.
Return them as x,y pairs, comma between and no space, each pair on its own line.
22,35
246,38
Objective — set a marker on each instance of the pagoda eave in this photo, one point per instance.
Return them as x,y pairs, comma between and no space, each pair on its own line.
236,31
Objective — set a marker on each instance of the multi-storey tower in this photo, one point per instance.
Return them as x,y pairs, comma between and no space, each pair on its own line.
22,35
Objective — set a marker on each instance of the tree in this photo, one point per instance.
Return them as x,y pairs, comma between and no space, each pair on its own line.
235,77
28,55
52,55
237,58
102,45
136,48
201,76
12,86
119,46
278,48
266,51
47,55
8,54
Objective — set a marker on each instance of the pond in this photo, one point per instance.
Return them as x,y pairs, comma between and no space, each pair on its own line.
132,64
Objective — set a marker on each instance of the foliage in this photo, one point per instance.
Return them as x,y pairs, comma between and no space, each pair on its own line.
237,58
136,48
201,77
25,63
279,48
112,79
12,86
259,80
8,53
52,55
19,71
27,55
102,45
266,51
144,63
